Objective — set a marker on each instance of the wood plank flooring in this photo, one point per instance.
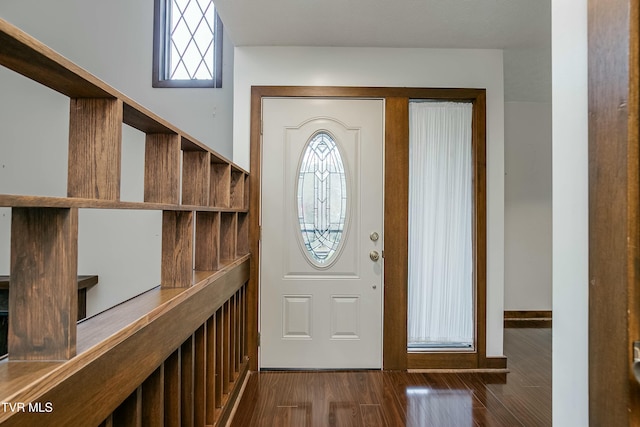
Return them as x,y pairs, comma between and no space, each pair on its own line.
375,398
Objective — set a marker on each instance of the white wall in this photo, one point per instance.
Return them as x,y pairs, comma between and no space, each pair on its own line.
394,67
570,214
112,40
527,281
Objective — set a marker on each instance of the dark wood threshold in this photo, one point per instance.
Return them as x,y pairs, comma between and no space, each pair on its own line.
528,319
459,361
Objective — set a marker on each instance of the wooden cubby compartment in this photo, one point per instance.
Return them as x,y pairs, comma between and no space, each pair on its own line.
207,241
237,189
246,191
228,236
220,183
162,168
243,234
196,169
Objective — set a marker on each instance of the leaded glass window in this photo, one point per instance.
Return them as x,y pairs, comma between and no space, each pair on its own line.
322,198
187,44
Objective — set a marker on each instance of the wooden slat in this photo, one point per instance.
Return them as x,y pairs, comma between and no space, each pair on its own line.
153,398
219,356
95,147
199,377
129,413
227,376
396,232
108,422
162,168
195,178
207,241
43,299
186,383
240,332
177,249
233,361
244,353
210,388
172,390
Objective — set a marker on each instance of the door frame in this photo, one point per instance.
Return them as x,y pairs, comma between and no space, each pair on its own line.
614,210
396,176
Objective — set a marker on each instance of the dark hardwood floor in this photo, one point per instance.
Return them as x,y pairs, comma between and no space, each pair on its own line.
376,398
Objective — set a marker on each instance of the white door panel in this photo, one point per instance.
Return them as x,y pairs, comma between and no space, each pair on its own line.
317,312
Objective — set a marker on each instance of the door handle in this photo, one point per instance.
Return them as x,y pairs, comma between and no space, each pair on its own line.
374,255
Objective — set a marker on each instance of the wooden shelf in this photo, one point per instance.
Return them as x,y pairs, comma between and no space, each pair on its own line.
84,282
17,201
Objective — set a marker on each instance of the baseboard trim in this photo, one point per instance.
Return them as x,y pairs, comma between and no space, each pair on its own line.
496,362
528,319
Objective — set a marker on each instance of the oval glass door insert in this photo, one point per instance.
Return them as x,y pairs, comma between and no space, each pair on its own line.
322,198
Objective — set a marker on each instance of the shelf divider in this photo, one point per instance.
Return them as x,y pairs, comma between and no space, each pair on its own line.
95,147
177,249
43,300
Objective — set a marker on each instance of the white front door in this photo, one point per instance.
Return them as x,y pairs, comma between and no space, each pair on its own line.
321,287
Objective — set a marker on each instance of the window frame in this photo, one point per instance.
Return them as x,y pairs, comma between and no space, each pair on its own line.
161,48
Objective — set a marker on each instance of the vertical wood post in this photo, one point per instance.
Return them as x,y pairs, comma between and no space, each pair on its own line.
43,300
95,146
177,249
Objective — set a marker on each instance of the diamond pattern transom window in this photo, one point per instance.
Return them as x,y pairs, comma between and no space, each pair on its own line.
191,26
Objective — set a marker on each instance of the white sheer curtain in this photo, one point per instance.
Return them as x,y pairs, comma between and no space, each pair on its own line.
440,298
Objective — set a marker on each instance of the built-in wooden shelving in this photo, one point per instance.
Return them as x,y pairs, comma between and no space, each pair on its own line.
204,202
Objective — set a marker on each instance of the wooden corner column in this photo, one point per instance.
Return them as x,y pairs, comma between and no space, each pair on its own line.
43,300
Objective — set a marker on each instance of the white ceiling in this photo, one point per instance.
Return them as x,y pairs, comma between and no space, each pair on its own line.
521,27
